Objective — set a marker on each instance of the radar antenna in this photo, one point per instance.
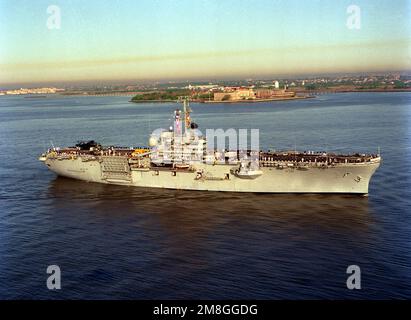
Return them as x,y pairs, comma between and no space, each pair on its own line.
187,110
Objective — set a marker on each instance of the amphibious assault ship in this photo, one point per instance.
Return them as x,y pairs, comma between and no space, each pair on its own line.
179,158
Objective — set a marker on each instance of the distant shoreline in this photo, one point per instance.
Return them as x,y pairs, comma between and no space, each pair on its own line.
259,100
352,90
154,101
228,101
311,93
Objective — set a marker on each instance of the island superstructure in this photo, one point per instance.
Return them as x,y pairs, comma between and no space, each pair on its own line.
180,159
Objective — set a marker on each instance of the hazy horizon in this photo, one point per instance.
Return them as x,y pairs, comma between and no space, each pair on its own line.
165,40
108,82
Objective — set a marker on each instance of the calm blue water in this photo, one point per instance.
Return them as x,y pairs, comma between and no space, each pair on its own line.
124,242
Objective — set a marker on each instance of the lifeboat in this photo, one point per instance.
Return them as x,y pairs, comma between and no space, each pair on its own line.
182,166
247,172
139,151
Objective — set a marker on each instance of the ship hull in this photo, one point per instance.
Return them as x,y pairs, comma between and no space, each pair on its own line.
342,178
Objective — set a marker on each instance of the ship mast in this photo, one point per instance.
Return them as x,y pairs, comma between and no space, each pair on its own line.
187,111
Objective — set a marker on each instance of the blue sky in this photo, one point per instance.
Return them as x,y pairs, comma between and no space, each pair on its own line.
161,39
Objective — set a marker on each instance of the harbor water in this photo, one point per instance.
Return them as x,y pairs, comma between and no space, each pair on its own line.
118,242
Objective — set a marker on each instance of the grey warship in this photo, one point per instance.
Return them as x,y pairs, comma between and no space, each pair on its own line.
180,159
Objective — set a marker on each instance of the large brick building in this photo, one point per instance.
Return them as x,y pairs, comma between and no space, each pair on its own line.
237,94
